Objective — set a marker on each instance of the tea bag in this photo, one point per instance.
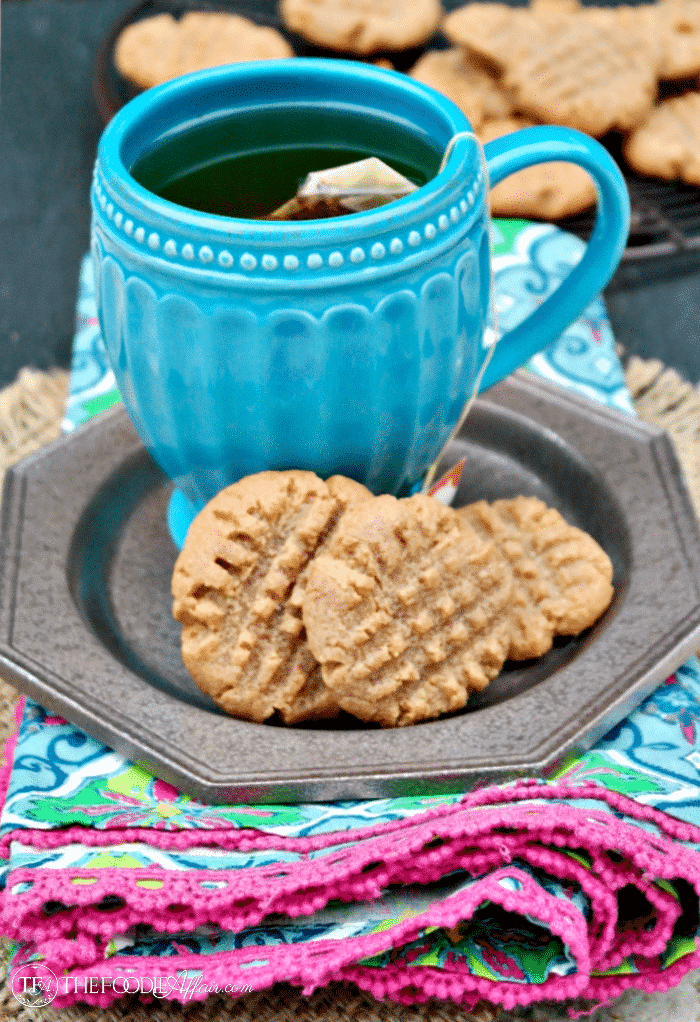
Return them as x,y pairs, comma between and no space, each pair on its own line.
352,188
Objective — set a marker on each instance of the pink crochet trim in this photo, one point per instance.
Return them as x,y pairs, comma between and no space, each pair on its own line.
423,852
597,990
313,965
602,989
530,822
476,836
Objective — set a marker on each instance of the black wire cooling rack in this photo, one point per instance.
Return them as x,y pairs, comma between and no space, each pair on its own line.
665,219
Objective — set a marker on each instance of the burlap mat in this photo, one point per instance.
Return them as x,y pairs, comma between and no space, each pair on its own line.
30,415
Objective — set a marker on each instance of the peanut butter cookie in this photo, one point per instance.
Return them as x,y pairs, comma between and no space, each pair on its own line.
546,191
237,587
562,579
667,144
407,612
363,26
469,84
593,69
492,32
156,49
675,25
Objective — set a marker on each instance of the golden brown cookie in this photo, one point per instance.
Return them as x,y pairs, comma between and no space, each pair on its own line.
363,26
562,579
407,612
554,6
142,52
634,30
243,638
547,191
667,144
588,70
493,32
470,85
675,26
156,49
314,700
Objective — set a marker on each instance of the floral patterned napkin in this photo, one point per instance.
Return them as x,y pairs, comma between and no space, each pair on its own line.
574,888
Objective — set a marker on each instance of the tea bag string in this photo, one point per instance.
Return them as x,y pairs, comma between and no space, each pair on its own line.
492,319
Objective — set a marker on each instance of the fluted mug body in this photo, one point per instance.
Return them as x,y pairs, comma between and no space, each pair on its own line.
346,345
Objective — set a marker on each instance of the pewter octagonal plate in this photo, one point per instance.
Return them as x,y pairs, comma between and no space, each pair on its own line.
86,628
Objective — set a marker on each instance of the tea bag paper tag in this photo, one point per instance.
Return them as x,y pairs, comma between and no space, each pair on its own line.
365,184
351,188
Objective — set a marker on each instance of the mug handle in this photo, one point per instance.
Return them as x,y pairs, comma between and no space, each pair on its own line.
545,144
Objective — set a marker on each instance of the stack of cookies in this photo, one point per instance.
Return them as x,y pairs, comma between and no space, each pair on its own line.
302,598
592,68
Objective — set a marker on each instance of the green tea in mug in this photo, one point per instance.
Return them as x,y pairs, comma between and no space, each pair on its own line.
248,165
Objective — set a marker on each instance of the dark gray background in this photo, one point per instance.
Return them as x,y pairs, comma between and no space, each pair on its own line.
49,129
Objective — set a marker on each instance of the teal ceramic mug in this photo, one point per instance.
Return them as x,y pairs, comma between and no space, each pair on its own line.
347,345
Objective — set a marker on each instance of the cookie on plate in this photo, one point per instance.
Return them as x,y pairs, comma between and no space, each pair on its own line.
314,700
407,612
156,49
667,144
363,26
469,84
562,578
245,553
546,191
